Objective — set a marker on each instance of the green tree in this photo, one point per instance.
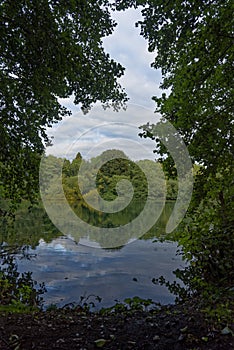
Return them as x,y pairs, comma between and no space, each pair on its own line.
75,165
194,45
194,42
49,50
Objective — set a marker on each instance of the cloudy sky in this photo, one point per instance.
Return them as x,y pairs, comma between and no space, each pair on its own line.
98,130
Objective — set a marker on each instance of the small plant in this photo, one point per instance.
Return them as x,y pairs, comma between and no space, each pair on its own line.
18,291
85,304
137,303
130,304
52,307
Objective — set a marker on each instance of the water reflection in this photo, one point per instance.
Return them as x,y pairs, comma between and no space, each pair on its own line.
71,269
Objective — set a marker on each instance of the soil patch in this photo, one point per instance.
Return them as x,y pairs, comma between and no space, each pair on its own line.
173,327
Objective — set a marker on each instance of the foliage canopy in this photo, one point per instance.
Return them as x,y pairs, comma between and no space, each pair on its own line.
193,41
49,50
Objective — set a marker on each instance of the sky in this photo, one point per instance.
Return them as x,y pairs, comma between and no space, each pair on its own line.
98,130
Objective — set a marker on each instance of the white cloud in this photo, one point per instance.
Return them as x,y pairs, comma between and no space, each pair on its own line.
130,49
141,82
103,129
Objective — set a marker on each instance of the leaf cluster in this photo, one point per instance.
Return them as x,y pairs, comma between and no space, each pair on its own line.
18,291
49,50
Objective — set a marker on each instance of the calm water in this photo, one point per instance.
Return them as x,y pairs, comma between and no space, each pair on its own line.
72,269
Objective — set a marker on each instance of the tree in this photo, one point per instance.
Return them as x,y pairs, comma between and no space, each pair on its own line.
49,50
75,165
194,45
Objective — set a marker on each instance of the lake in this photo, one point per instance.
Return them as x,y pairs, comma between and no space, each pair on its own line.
73,269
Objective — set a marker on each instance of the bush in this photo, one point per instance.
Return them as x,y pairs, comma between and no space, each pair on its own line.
18,291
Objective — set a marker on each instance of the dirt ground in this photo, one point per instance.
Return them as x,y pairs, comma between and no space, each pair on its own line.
174,327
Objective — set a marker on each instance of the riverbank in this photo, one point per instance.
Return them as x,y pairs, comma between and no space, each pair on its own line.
172,327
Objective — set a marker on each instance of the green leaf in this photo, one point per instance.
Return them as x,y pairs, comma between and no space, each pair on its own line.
100,342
